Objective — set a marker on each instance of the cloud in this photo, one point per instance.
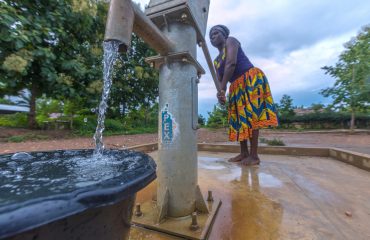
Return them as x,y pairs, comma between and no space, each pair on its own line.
300,70
297,71
273,27
289,40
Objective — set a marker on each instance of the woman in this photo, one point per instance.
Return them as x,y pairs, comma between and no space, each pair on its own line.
251,106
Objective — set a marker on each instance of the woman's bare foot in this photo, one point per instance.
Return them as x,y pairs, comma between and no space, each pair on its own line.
250,161
237,158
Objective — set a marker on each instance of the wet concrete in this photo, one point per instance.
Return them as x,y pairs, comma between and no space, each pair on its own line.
286,197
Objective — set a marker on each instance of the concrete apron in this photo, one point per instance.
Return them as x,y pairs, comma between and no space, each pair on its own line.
296,193
360,160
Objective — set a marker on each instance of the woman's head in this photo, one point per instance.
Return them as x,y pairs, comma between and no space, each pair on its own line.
218,35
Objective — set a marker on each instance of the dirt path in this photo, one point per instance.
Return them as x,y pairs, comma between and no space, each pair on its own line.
359,142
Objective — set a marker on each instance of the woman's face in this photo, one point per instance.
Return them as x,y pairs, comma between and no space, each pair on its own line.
217,38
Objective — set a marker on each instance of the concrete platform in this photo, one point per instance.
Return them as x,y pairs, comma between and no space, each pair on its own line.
286,197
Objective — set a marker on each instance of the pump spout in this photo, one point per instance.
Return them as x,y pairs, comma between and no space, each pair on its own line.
120,23
124,17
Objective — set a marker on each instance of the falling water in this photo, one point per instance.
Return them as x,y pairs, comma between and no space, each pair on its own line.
110,55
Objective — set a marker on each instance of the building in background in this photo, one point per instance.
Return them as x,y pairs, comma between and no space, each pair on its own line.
10,109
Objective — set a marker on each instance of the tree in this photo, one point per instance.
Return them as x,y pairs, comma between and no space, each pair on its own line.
71,108
143,116
317,107
218,117
201,120
134,81
286,108
48,47
351,90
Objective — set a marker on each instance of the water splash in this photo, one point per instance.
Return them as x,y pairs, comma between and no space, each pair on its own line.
110,56
21,156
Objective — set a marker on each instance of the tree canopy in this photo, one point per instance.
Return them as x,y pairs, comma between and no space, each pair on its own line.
53,48
47,47
218,117
351,89
286,106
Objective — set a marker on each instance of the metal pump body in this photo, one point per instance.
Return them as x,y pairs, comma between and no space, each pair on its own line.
173,28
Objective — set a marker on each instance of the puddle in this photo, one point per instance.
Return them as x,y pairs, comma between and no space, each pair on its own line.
234,172
267,180
211,163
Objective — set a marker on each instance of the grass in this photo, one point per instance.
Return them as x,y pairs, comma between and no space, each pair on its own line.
27,137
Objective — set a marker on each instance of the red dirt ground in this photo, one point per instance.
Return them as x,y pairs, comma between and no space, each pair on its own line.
358,141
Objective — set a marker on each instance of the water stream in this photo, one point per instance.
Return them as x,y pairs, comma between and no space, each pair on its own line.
110,56
26,176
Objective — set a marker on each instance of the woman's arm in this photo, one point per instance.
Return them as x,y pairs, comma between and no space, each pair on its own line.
232,46
220,95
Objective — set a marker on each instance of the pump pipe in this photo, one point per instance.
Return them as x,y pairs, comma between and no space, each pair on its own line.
124,17
204,47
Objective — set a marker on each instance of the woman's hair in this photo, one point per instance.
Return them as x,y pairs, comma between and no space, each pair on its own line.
221,28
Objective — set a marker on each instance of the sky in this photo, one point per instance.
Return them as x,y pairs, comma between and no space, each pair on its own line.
289,40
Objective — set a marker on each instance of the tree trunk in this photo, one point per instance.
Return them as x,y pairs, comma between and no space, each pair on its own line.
353,121
71,122
32,114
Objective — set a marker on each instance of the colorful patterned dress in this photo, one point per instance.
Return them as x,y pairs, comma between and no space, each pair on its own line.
250,101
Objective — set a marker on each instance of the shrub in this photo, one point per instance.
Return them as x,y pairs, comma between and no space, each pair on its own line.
113,125
275,142
325,120
218,117
16,139
86,125
263,140
83,127
14,120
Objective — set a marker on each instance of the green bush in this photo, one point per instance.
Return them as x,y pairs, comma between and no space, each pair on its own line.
14,120
275,142
85,128
85,112
140,130
272,142
82,127
263,140
113,125
40,119
325,120
16,139
218,117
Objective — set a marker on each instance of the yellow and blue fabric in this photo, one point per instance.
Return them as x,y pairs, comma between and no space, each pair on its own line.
251,105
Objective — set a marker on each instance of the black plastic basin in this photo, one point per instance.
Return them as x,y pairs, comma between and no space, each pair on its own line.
70,194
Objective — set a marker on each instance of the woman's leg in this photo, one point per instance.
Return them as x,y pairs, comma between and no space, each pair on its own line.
253,158
244,153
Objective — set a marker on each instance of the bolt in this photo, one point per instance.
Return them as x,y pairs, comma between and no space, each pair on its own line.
200,44
184,16
152,64
210,197
184,59
194,222
138,212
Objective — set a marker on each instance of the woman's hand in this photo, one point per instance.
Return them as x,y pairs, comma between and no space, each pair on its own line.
221,97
